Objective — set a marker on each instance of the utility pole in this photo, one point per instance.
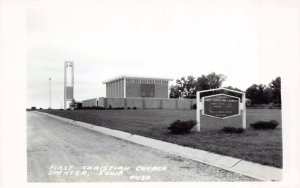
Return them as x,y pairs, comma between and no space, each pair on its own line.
49,93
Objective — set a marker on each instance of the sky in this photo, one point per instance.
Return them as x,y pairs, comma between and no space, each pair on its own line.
247,41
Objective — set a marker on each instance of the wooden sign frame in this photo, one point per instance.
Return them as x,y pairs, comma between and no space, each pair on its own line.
200,106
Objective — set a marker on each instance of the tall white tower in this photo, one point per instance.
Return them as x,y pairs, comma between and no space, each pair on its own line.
68,87
49,93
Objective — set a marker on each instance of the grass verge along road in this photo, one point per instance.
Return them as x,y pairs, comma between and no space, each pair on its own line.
260,146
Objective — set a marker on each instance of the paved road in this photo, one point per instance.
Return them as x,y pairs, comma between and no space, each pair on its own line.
61,152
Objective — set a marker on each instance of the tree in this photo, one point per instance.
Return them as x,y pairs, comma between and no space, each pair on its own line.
187,87
257,94
175,91
275,87
251,93
261,94
202,83
233,88
210,81
215,80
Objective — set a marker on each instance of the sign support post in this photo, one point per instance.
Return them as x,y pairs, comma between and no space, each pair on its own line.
244,111
198,111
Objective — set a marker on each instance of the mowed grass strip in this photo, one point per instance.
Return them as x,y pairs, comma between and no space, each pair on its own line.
260,146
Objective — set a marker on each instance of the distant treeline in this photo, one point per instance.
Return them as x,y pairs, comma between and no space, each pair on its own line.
257,93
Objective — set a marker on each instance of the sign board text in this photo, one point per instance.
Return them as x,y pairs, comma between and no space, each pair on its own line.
221,106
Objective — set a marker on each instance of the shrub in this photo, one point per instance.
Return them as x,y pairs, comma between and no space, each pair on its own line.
194,106
265,124
182,127
134,108
117,108
128,108
232,130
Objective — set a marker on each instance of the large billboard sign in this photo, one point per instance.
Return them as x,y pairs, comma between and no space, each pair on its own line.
221,106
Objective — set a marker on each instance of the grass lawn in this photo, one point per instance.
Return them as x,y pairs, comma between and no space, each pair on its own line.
260,146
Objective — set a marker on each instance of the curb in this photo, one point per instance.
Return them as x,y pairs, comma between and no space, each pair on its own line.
254,170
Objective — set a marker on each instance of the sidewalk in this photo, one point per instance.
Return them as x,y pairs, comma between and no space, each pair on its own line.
254,170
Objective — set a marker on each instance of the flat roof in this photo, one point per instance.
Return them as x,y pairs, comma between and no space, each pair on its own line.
134,77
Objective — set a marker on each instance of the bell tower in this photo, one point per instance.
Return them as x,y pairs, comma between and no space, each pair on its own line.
68,86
